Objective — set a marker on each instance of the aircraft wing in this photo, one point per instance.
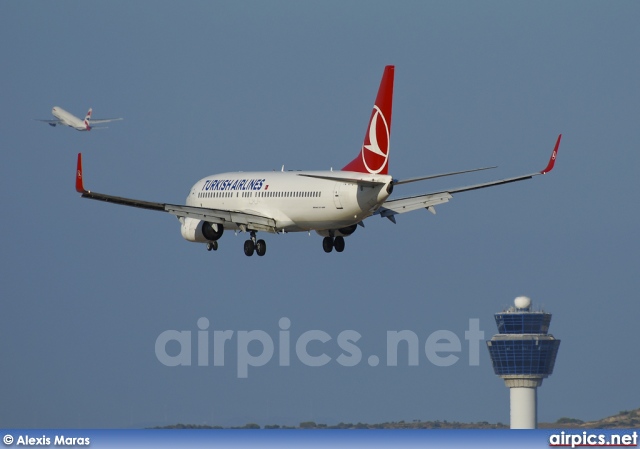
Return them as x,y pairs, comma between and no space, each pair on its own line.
51,122
391,208
441,175
94,121
242,219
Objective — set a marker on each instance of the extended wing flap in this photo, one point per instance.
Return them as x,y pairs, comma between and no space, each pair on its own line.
409,204
221,216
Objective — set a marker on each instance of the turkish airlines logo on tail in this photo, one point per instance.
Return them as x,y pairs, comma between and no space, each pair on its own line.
375,153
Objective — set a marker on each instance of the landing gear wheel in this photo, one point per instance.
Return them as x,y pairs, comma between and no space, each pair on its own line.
261,247
338,244
327,244
249,247
212,246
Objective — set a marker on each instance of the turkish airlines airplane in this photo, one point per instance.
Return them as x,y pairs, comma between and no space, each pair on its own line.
331,203
67,118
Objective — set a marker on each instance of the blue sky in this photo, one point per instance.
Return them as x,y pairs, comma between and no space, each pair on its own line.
210,87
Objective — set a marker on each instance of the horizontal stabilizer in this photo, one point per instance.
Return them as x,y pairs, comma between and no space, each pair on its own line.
361,182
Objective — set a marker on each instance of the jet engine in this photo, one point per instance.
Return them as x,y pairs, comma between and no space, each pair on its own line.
195,230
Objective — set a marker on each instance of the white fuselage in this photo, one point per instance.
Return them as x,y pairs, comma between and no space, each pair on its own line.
296,203
69,119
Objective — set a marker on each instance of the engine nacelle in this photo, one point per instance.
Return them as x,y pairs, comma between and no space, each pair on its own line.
195,230
342,232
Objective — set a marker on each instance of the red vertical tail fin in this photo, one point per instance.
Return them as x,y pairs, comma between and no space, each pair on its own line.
79,182
87,120
374,154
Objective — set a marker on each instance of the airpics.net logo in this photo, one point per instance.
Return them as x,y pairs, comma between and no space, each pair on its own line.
257,348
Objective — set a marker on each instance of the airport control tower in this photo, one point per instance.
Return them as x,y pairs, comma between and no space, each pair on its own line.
523,353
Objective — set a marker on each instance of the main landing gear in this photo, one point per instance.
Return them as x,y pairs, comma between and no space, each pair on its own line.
251,245
329,243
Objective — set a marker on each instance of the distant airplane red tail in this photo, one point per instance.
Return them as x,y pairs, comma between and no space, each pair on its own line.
86,120
374,154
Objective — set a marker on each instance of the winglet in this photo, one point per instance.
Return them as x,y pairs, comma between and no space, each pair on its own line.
552,160
79,182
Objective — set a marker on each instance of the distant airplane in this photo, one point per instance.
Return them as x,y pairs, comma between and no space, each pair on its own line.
67,118
331,203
